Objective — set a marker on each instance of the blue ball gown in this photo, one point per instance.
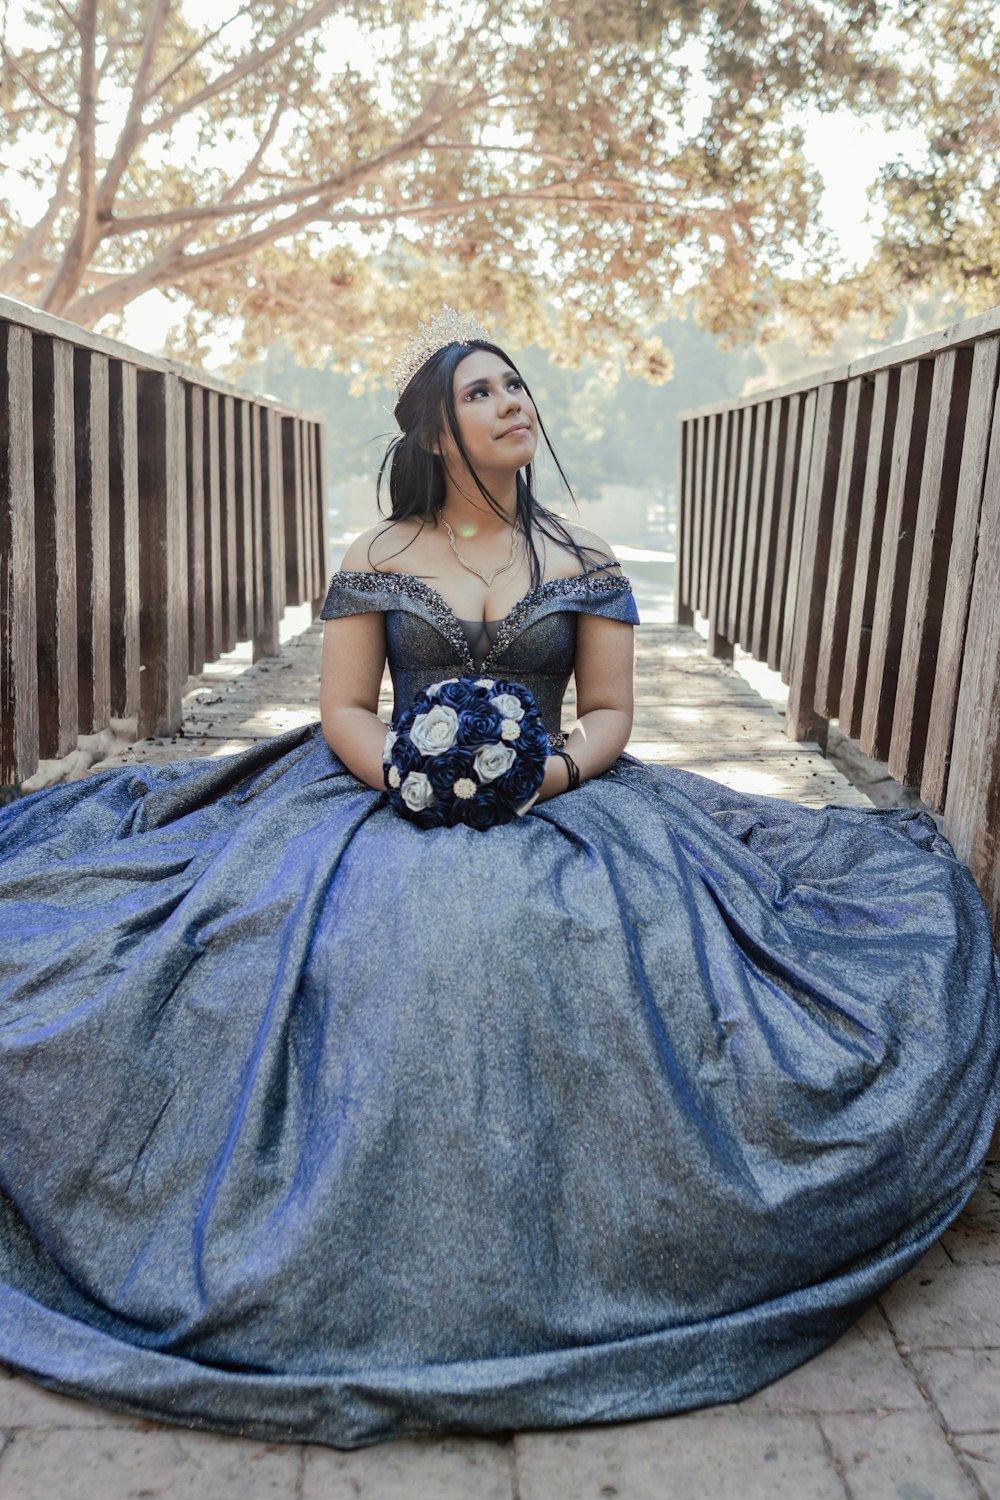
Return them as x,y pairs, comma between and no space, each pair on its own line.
318,1125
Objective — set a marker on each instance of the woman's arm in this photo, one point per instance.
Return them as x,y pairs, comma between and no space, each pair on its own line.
604,703
350,676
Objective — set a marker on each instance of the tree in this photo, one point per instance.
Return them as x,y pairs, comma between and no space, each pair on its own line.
942,227
328,171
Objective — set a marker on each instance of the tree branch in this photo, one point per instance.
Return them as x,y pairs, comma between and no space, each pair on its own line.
250,64
35,88
192,52
28,255
131,130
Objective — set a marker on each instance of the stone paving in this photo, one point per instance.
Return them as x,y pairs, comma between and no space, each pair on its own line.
905,1406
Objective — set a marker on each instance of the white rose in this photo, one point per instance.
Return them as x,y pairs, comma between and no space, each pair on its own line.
390,740
435,687
486,682
510,729
492,761
417,791
435,731
508,705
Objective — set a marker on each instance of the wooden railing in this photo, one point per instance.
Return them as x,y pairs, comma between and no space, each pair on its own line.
846,530
150,518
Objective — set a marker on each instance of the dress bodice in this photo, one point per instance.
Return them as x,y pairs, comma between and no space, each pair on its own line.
534,643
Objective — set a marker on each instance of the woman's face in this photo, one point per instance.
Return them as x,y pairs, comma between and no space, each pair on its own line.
495,415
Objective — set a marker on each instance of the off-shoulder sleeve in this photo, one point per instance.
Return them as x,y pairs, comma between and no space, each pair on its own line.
595,592
358,593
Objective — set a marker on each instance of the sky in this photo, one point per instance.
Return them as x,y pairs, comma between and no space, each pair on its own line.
845,150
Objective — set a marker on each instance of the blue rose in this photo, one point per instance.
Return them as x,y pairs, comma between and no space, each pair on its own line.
522,780
479,725
444,770
457,693
482,811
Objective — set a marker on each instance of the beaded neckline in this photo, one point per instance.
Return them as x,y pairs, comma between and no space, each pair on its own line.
510,624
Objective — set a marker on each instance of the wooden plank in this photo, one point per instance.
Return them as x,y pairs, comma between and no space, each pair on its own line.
246,566
734,444
738,543
195,416
909,440
748,587
802,721
868,548
765,598
789,464
322,564
929,565
307,512
55,545
18,624
683,611
227,454
698,510
213,530
93,545
291,478
710,517
843,545
798,529
972,807
718,644
163,614
123,520
979,453
268,479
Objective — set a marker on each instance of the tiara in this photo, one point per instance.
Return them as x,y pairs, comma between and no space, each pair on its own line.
448,327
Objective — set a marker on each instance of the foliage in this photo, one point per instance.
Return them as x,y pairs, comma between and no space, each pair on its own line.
943,212
327,170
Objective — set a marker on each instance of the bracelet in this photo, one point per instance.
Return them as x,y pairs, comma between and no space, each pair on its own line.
571,767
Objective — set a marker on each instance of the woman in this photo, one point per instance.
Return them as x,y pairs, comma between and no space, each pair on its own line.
315,1124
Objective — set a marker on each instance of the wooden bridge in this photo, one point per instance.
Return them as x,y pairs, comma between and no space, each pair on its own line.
845,530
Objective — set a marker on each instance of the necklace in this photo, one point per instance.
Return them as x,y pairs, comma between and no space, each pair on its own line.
486,577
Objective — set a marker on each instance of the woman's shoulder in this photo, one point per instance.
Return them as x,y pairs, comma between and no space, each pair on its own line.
372,550
594,547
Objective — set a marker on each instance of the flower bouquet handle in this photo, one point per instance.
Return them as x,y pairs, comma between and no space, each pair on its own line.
468,750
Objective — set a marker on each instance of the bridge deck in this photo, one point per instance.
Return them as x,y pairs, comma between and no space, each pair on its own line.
691,711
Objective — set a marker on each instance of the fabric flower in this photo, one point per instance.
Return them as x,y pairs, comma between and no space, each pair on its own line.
464,787
509,706
394,776
493,760
479,725
509,729
390,740
433,688
416,791
436,731
486,682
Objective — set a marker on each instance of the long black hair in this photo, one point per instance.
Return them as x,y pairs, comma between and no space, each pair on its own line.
416,474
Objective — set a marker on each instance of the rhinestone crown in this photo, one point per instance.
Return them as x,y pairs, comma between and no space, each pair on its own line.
448,327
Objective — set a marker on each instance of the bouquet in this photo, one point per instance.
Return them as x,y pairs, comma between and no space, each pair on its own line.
468,750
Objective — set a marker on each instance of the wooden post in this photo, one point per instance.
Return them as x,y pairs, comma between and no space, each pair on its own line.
195,406
802,721
789,462
894,563
247,523
123,536
55,544
267,479
227,456
18,640
718,644
929,567
319,470
843,545
93,543
980,454
162,552
683,611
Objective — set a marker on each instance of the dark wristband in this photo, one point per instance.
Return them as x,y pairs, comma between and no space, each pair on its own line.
571,767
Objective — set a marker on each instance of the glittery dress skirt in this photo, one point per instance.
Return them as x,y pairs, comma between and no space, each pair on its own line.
318,1125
